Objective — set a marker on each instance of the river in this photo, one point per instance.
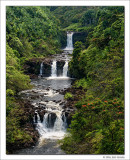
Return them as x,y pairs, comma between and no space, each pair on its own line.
50,118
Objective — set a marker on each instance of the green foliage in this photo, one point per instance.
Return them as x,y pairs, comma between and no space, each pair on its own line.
74,68
89,17
82,83
74,18
30,32
15,133
68,96
9,92
102,61
98,125
16,80
28,35
113,141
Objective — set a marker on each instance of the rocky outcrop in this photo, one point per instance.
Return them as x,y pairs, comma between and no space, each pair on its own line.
32,66
69,105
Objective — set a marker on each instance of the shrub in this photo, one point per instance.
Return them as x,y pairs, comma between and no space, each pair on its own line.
68,96
100,125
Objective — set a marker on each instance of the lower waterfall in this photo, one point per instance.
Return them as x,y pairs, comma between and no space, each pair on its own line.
52,128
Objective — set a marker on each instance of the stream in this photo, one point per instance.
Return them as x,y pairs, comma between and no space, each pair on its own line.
50,118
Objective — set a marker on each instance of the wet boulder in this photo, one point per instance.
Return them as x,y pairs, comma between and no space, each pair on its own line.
60,65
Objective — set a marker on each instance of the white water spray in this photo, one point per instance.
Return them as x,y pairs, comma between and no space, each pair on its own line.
50,127
69,41
53,69
41,69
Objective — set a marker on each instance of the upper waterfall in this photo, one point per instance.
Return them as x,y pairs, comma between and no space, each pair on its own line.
69,41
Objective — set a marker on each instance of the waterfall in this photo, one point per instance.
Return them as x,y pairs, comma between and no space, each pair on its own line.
50,118
59,124
53,69
45,121
41,69
69,41
50,127
65,69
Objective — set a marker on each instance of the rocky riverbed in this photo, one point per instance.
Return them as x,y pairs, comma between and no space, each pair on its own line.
46,107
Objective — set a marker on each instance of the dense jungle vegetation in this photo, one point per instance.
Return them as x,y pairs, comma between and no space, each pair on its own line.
97,63
30,32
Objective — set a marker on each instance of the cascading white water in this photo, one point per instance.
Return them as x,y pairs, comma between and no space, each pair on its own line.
59,124
69,41
41,69
54,122
50,117
53,69
65,69
54,131
45,121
